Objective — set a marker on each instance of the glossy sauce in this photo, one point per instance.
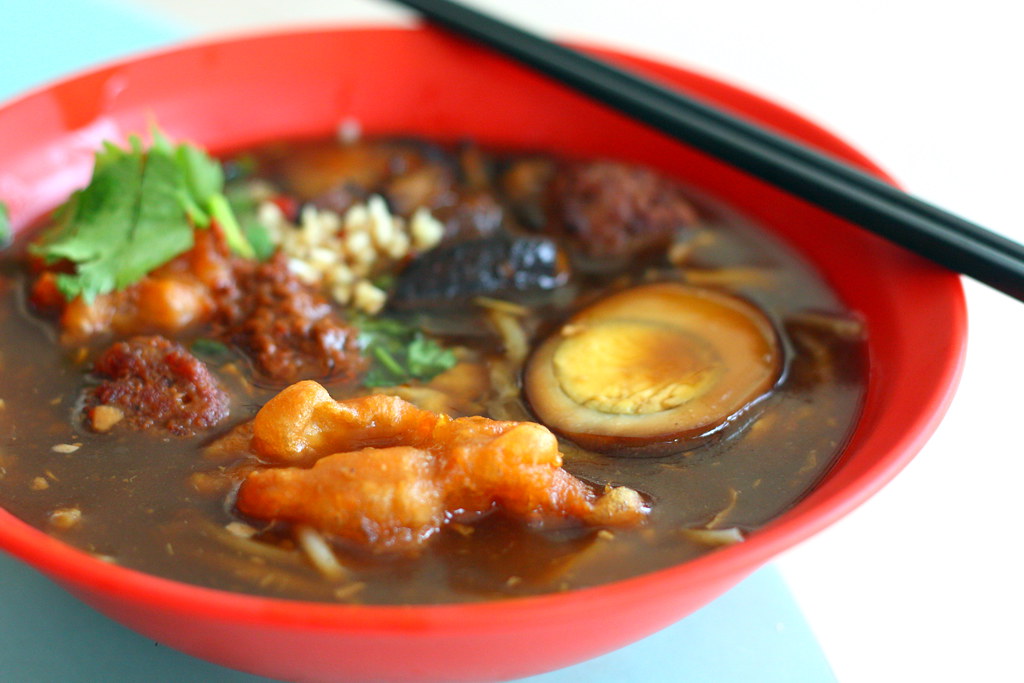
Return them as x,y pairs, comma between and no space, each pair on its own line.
140,506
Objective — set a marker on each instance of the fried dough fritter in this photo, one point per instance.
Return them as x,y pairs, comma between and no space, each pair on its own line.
387,475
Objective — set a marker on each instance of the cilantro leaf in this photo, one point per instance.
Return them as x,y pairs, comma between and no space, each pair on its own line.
6,232
246,208
211,350
426,358
259,237
204,177
137,213
399,353
220,209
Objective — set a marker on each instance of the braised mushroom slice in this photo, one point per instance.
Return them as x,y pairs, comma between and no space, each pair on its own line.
499,265
654,369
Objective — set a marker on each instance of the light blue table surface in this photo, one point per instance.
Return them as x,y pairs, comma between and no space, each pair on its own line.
753,633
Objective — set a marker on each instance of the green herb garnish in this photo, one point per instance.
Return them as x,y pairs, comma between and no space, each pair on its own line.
399,353
211,350
246,208
6,233
137,213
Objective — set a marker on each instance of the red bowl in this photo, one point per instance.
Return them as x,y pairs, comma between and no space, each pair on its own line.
229,94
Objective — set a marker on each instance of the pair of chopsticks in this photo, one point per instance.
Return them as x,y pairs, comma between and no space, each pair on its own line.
822,180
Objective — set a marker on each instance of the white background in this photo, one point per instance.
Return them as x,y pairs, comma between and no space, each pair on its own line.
922,583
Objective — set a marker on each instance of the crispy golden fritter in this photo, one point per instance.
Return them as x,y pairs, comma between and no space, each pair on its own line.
387,475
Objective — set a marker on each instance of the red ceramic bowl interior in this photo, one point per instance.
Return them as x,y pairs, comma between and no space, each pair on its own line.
227,95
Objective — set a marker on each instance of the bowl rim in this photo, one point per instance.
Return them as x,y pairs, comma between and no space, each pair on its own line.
67,564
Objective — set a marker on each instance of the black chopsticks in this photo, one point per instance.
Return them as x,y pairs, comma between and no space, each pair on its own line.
820,179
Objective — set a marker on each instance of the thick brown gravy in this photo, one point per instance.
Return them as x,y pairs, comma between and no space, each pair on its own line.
138,504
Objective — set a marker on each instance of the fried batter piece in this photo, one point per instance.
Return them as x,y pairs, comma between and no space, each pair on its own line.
387,475
282,324
175,297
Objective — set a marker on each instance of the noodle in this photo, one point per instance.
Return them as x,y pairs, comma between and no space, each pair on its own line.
319,552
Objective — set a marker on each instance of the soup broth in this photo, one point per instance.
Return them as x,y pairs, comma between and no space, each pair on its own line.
164,503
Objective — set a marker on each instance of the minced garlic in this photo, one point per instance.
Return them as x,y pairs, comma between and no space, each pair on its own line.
104,417
342,253
65,518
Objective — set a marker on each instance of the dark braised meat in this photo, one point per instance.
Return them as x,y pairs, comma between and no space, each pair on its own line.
524,185
477,214
430,185
285,327
407,174
612,209
500,265
153,384
313,172
608,209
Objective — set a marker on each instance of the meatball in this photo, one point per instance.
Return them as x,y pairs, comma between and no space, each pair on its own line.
613,210
153,384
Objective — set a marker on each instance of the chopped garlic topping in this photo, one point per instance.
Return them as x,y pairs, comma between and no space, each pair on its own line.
65,518
342,253
425,230
104,417
240,529
368,298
